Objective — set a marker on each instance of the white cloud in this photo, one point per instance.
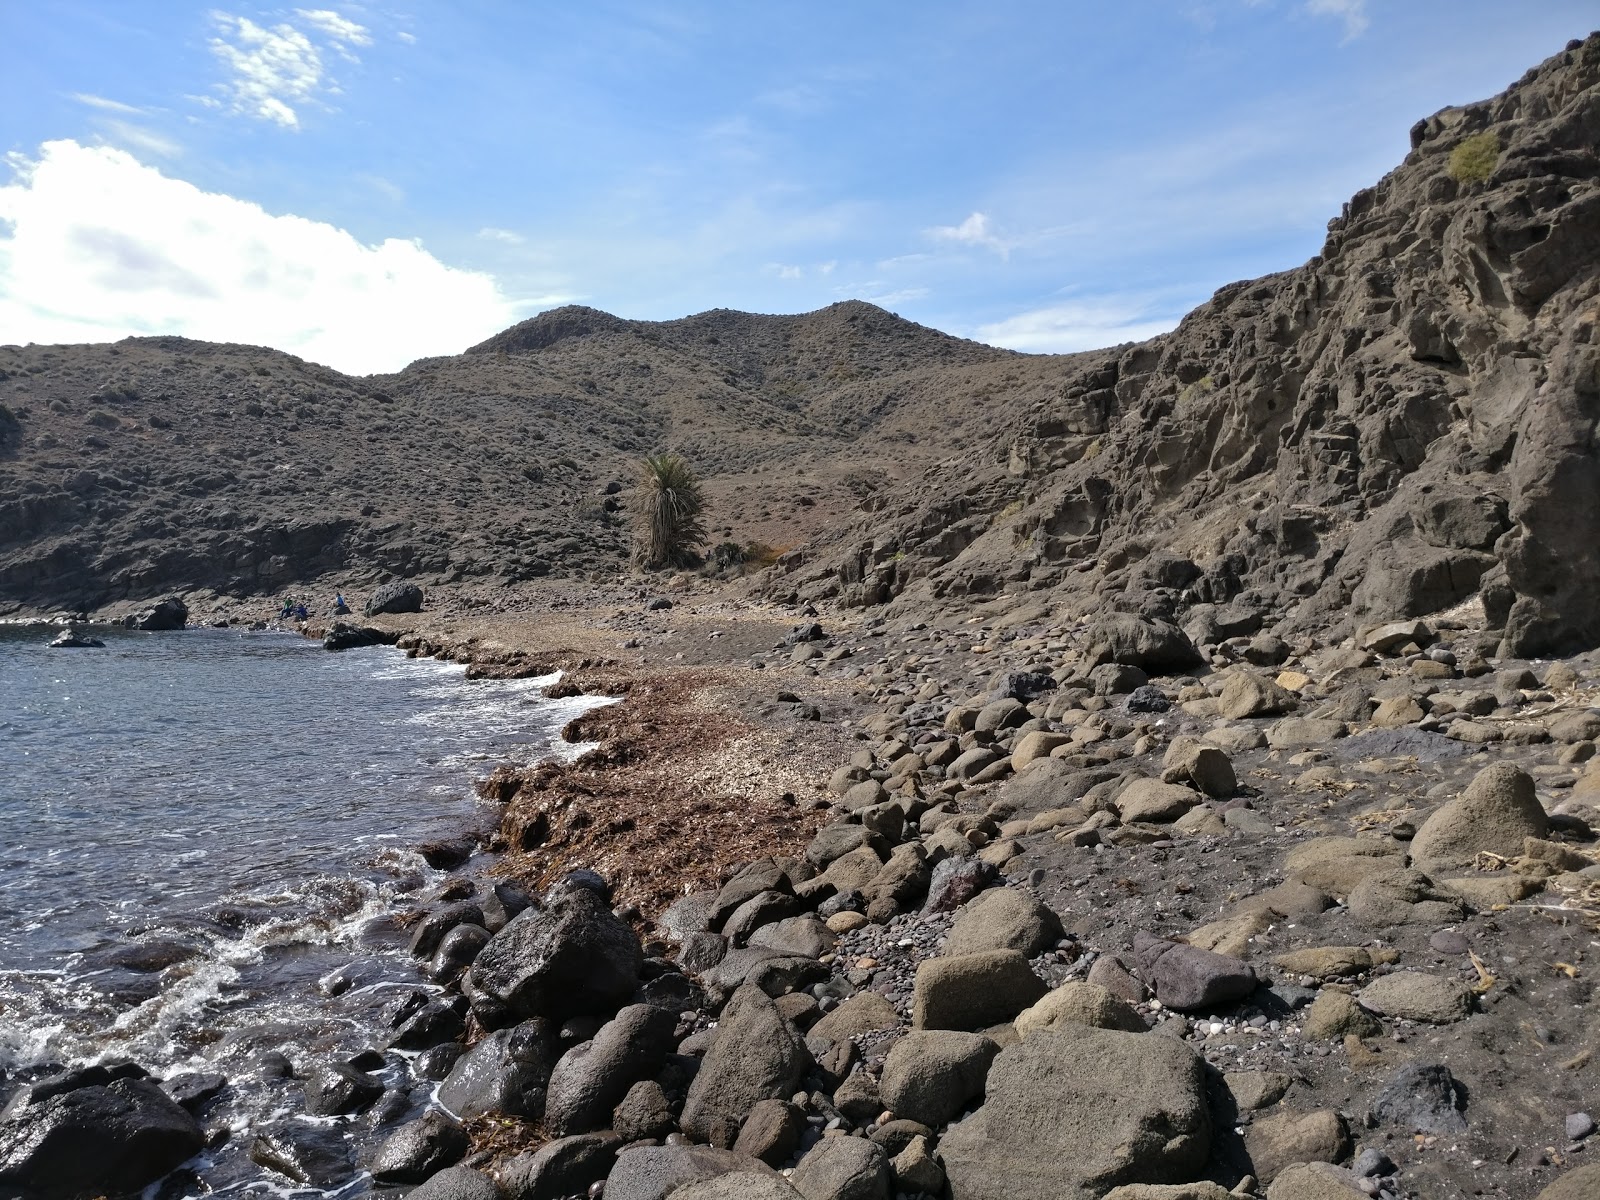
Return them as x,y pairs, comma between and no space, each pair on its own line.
1352,12
510,237
104,105
1078,325
338,28
95,246
409,39
275,72
786,270
273,69
127,134
974,231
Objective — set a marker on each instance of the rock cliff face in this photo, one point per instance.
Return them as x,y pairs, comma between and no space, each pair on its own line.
1404,423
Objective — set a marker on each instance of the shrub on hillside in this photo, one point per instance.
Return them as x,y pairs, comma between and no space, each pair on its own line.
1474,158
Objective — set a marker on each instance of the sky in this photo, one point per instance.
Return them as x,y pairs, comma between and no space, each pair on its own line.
366,184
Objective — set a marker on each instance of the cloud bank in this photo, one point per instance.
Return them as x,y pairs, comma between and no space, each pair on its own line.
1068,328
96,246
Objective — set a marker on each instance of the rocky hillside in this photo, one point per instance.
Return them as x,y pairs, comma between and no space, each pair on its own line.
160,464
1403,424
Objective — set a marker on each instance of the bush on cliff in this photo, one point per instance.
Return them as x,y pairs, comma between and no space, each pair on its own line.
1474,159
667,507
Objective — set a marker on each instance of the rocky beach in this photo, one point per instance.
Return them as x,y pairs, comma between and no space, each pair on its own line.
1190,794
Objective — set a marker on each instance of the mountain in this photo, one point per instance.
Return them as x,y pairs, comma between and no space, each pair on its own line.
1404,423
159,464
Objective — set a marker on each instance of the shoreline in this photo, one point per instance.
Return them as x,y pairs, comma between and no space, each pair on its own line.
800,836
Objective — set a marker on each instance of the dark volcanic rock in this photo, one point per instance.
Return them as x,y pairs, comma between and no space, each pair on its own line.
101,1139
1423,1098
572,958
592,1078
506,1072
394,597
344,636
415,1151
1154,646
319,1155
168,614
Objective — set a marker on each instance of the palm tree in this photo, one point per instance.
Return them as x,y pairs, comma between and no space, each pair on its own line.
667,506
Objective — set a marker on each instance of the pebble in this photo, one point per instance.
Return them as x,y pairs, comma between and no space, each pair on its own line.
1579,1125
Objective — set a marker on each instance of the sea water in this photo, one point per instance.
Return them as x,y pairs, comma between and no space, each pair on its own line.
196,827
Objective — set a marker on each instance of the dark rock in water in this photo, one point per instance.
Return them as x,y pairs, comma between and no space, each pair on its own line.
1423,1098
394,597
592,1078
334,1089
1021,685
505,1072
1147,699
81,1077
436,1062
318,1155
449,853
435,1023
564,1167
575,956
415,1151
69,639
345,636
503,901
171,613
456,952
272,1064
430,931
193,1089
392,1106
457,1183
147,957
96,1140
955,881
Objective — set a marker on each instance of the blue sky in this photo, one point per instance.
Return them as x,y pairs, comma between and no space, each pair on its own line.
363,184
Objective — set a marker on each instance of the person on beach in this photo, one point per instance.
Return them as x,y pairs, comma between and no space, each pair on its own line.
301,612
288,609
340,608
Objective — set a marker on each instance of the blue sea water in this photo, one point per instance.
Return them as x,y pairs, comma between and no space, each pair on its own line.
198,826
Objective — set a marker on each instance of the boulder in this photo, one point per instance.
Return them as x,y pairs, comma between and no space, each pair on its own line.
109,1139
506,1072
415,1151
592,1078
573,957
1422,1098
757,1056
1276,1142
645,1112
1315,1181
655,1172
1191,761
1154,646
771,1132
1417,996
1186,977
334,1089
1246,694
1072,1112
844,1168
864,1012
1154,801
563,1167
168,614
1582,1183
1496,812
973,991
396,597
930,1075
1334,1016
457,1183
1003,919
1083,1003
1401,897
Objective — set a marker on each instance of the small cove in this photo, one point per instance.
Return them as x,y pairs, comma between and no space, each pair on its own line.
199,826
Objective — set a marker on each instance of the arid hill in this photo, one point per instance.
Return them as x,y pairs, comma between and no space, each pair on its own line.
157,464
1404,423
